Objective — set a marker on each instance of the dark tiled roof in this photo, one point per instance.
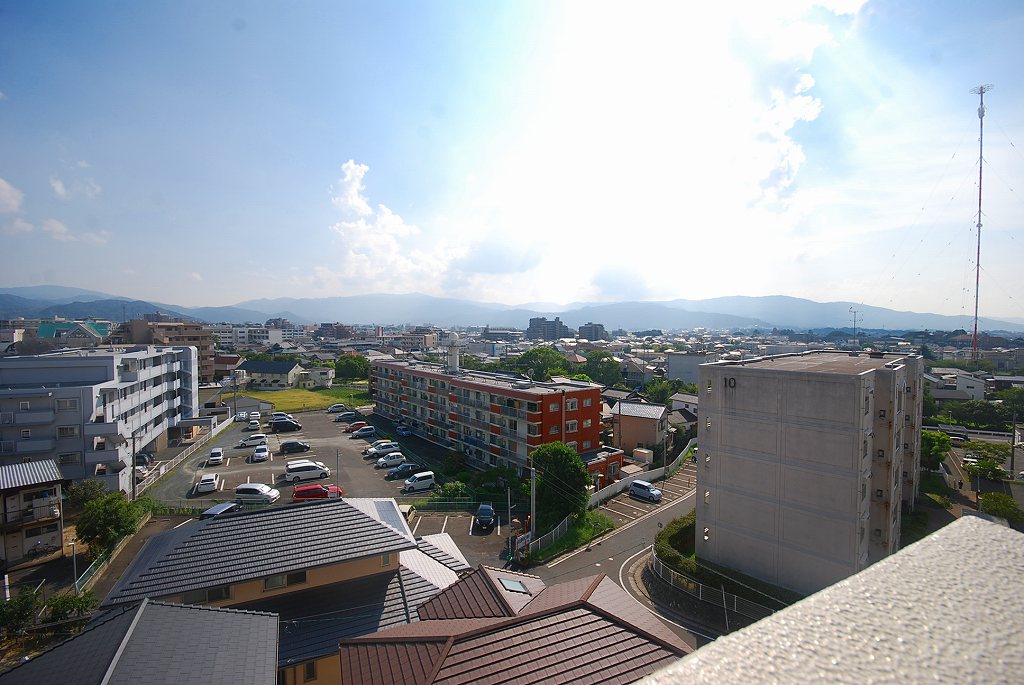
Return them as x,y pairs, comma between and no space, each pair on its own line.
439,555
250,545
29,473
313,621
254,366
472,597
155,642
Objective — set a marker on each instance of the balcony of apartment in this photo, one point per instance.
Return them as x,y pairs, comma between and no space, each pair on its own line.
26,417
42,509
26,446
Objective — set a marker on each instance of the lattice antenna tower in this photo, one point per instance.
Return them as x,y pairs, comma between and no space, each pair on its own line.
980,92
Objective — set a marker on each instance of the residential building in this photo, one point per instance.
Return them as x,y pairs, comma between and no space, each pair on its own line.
73,333
682,366
604,466
315,377
542,329
409,342
684,400
224,365
636,372
174,334
155,642
593,331
807,461
263,375
494,419
89,409
502,334
641,425
32,514
331,570
499,626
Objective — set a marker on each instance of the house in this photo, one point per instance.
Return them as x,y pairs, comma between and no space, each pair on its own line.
315,377
640,424
610,396
496,625
331,570
271,375
682,400
604,466
32,515
155,642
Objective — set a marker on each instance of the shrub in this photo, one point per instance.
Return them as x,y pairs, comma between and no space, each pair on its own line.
63,607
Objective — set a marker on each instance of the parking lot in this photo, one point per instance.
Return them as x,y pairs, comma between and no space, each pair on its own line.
624,508
478,546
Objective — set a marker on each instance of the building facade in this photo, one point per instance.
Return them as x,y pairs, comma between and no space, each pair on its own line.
32,515
593,331
88,409
175,334
493,419
542,329
682,366
806,462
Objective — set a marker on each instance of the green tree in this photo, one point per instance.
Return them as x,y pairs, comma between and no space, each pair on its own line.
658,391
352,366
64,606
17,613
986,468
105,520
82,492
979,414
1001,504
996,451
602,368
1013,402
541,363
453,489
930,407
562,482
935,445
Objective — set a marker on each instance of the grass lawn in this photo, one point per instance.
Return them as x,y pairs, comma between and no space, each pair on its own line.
913,527
592,525
934,488
306,400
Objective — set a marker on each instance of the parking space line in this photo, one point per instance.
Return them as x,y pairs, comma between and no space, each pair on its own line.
617,512
228,462
471,525
419,519
222,484
445,524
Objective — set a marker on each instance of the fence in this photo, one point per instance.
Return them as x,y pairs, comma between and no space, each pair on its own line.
706,593
605,494
89,576
185,454
551,537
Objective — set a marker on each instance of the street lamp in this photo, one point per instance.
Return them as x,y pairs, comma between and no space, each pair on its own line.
74,565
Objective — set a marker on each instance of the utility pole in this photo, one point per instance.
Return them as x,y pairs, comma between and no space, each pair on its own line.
1013,445
533,503
854,312
133,466
337,467
980,92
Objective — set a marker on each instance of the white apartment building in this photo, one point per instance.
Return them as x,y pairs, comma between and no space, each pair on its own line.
235,335
805,461
684,366
87,409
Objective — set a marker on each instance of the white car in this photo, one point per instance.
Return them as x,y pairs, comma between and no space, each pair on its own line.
208,483
336,408
254,415
254,439
389,460
216,457
383,448
261,453
281,416
256,493
242,416
305,469
254,425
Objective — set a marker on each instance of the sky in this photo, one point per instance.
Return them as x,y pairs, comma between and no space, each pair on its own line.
201,153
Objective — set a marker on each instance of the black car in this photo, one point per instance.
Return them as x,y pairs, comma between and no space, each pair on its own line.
285,426
403,471
486,518
290,446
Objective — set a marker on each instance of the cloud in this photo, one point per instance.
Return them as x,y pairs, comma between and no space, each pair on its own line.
10,198
18,226
95,237
58,188
195,276
84,187
57,230
82,164
349,197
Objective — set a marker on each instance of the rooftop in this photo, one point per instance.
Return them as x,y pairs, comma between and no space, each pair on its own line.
29,473
820,361
640,410
495,380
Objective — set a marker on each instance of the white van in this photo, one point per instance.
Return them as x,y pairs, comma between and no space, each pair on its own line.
252,440
424,480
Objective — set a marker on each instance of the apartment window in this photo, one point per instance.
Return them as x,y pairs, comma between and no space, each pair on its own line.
40,531
67,405
867,403
553,430
284,580
69,457
881,454
309,671
24,406
385,559
67,431
878,492
571,445
708,426
571,426
571,404
554,406
587,423
707,533
586,444
26,433
881,413
587,401
863,490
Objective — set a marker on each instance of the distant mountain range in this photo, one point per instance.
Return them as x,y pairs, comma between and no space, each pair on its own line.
721,313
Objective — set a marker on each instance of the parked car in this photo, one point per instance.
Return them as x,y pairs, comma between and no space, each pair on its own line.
423,480
210,482
144,458
381,448
220,509
314,491
254,415
289,446
256,493
242,416
404,431
402,471
254,425
485,518
352,427
345,416
280,416
364,432
389,460
644,490
304,469
254,439
334,408
216,457
285,426
261,453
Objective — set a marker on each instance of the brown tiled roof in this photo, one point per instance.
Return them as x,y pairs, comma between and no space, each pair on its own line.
472,597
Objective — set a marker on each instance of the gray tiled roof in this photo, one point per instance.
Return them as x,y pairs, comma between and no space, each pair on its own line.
640,410
155,642
254,544
29,473
256,366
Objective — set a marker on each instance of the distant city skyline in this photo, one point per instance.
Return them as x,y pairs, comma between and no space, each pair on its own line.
527,152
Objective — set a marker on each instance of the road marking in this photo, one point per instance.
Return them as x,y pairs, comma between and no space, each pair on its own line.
471,526
445,524
227,463
419,519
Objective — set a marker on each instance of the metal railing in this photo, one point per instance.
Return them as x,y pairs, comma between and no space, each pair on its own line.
169,466
618,486
551,537
706,593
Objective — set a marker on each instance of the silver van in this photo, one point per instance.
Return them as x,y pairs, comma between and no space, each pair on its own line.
253,440
305,469
424,480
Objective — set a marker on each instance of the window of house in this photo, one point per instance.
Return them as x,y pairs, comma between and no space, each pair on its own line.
587,401
553,430
571,426
24,405
309,671
587,423
571,404
385,559
571,445
554,406
586,445
26,433
284,580
67,405
67,431
69,457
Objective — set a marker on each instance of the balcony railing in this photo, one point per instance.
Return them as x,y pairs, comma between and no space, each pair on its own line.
26,446
26,418
42,509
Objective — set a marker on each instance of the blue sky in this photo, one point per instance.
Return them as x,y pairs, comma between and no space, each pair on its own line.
210,153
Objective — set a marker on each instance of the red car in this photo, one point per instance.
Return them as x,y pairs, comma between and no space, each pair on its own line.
304,493
352,427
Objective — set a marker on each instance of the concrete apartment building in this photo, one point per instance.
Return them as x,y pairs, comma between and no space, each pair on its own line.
683,366
88,408
542,329
805,463
494,419
174,334
593,331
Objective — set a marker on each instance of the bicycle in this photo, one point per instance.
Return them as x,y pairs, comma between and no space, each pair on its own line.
41,549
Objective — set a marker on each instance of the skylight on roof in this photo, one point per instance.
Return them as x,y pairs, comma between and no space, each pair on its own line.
513,585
